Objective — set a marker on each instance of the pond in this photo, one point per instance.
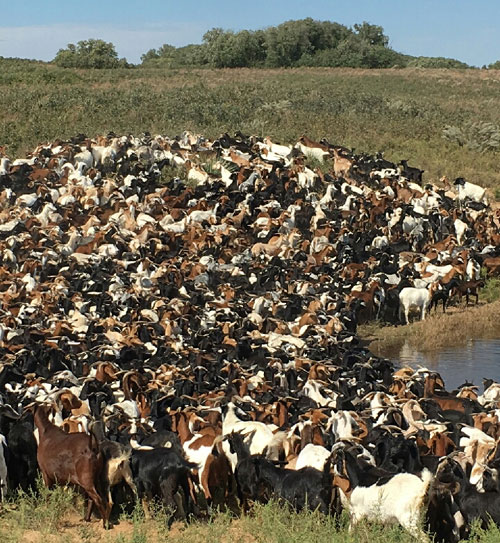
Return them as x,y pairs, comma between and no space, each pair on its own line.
472,362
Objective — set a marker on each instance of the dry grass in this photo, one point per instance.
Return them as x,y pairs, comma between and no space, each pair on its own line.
437,331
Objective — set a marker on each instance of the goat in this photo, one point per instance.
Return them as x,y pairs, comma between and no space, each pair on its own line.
259,436
161,473
484,506
468,288
412,174
259,479
3,468
313,456
414,297
117,466
469,190
400,498
71,458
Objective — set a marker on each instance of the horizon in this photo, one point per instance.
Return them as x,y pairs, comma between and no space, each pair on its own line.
137,28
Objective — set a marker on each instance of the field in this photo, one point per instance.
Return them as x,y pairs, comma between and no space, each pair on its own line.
402,112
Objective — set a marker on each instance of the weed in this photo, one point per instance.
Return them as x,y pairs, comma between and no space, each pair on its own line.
44,510
86,533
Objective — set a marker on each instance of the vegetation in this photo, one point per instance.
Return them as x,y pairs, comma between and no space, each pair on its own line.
304,42
23,520
479,136
435,62
89,54
401,112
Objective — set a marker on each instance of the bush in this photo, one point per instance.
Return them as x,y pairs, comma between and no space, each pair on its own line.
89,54
477,136
436,62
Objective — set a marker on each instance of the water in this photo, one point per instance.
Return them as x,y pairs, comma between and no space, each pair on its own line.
476,360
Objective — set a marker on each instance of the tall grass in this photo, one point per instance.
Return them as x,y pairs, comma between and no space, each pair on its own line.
401,112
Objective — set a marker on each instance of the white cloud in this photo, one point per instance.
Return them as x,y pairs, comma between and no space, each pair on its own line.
43,42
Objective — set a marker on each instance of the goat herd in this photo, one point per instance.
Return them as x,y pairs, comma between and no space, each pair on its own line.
178,322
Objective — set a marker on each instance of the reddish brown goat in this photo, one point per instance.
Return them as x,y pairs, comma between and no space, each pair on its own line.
444,400
468,288
492,266
71,459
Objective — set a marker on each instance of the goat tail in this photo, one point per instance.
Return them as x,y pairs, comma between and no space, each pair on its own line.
427,480
427,477
277,440
217,445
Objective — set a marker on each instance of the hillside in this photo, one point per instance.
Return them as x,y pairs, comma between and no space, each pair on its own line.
402,112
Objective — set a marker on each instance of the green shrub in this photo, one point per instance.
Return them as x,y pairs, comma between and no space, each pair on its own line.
436,62
478,136
491,290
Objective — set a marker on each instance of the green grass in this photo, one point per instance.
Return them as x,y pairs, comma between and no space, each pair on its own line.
53,517
401,112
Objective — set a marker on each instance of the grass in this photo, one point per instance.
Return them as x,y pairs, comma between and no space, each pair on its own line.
401,112
269,523
43,513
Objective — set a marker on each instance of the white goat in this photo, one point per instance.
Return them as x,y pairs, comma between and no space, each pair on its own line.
402,499
312,456
258,436
472,191
414,297
460,230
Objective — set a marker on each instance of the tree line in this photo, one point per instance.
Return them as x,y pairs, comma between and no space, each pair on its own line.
304,42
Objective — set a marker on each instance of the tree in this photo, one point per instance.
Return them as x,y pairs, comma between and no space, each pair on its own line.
372,34
165,54
89,54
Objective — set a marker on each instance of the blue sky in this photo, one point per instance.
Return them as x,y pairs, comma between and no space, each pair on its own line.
462,29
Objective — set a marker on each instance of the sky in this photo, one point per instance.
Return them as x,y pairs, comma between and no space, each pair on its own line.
463,29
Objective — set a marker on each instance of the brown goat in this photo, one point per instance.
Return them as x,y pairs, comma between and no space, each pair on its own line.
71,459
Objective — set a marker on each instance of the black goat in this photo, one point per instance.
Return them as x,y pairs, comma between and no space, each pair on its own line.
259,479
412,174
162,473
